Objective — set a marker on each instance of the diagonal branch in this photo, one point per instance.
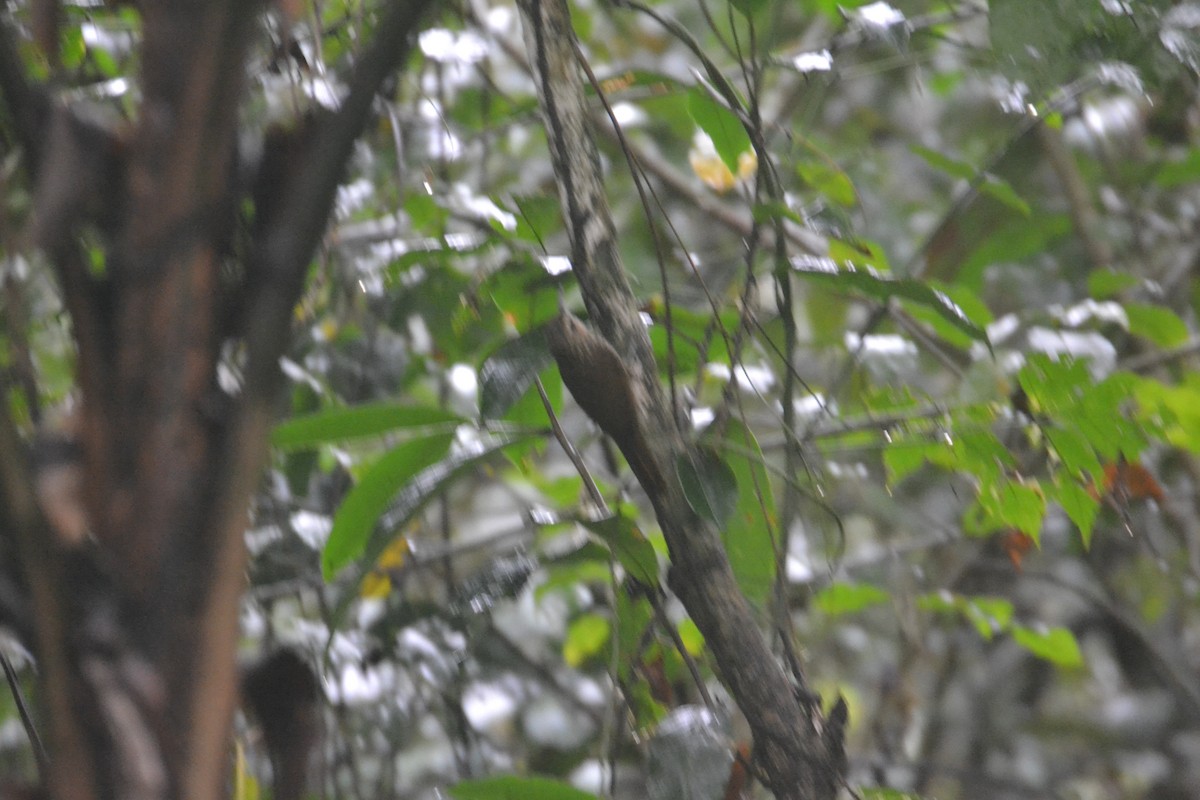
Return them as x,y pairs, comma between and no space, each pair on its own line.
799,763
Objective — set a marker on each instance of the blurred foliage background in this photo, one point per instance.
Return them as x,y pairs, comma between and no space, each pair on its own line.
946,249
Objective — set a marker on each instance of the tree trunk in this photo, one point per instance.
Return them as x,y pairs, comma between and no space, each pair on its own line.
134,576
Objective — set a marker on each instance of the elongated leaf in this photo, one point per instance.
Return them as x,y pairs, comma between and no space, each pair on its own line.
361,509
337,424
1056,645
1160,325
728,135
847,598
411,499
630,547
509,372
749,535
586,638
869,282
709,485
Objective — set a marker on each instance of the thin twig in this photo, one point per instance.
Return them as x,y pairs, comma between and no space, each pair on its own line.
39,750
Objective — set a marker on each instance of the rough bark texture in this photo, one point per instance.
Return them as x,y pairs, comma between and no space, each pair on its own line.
799,755
135,624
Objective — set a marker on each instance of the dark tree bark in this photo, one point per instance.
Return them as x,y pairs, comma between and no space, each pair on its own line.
135,621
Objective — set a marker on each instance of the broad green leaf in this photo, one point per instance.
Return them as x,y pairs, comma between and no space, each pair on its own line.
1057,645
1014,241
511,787
1074,450
692,638
426,214
708,484
967,301
728,135
587,636
1174,409
629,546
978,451
337,424
826,178
859,251
508,373
634,615
848,598
538,217
1105,284
525,294
1007,504
1159,325
1080,505
904,456
1104,415
1053,387
876,285
356,517
989,615
749,535
411,499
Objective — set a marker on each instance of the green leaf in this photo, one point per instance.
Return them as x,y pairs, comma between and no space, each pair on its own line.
1057,645
989,615
944,163
539,217
690,635
749,535
728,135
1157,324
511,787
887,794
848,598
525,294
749,8
869,282
508,373
1007,504
634,615
1075,451
337,424
411,499
1104,284
904,455
1053,387
361,509
859,251
966,300
1080,505
998,189
833,184
1014,240
992,186
708,484
586,638
629,546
